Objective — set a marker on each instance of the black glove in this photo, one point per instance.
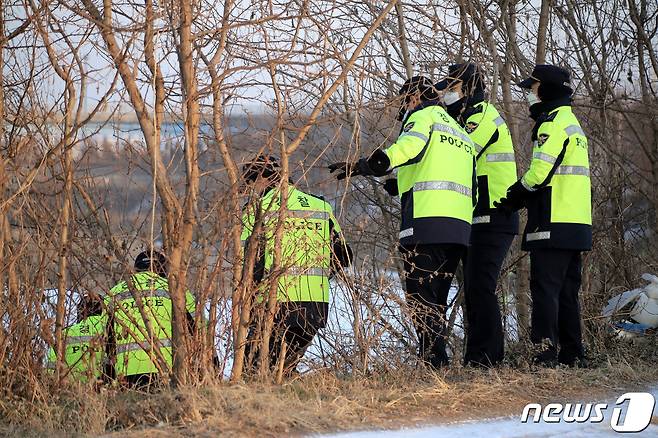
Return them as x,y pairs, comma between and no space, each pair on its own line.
344,169
342,253
376,165
391,186
514,200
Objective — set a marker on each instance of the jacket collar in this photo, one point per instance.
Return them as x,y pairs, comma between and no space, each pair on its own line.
419,107
464,106
424,105
540,112
541,109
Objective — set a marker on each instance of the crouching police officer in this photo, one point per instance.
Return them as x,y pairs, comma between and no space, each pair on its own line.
140,323
312,248
493,231
435,164
85,343
557,193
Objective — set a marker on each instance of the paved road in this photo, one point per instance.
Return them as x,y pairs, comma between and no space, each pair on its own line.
511,427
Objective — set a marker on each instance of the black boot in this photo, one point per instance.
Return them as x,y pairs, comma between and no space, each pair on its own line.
546,358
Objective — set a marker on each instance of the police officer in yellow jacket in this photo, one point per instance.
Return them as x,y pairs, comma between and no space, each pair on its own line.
557,193
85,343
312,248
140,322
435,163
493,231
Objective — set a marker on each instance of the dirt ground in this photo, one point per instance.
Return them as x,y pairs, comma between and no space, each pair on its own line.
318,402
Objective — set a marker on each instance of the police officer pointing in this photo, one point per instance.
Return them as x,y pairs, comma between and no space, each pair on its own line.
556,191
435,161
493,231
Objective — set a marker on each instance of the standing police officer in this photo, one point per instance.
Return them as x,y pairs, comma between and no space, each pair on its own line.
493,231
557,193
312,248
435,164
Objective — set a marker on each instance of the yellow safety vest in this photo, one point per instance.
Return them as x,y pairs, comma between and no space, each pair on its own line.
306,245
495,166
435,163
139,351
85,348
560,207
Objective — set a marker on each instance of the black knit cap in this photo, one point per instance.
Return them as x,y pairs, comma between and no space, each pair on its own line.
151,261
418,84
467,72
549,74
262,166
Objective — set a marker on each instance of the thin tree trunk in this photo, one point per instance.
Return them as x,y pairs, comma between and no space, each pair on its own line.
62,276
65,215
3,178
181,248
522,302
544,16
271,308
402,36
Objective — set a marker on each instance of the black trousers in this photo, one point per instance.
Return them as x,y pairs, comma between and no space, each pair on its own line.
429,271
555,279
296,324
485,340
145,382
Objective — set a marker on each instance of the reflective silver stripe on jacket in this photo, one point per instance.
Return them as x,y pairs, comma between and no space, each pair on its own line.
442,185
541,235
527,186
574,129
127,295
501,158
51,365
406,233
145,346
450,130
544,157
300,270
415,134
572,170
309,214
481,220
78,339
498,121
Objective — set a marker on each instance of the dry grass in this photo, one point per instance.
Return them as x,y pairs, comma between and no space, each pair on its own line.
318,402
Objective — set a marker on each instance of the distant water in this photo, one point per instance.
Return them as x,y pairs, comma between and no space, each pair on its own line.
112,132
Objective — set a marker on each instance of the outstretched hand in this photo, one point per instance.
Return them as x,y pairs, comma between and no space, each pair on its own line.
343,168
